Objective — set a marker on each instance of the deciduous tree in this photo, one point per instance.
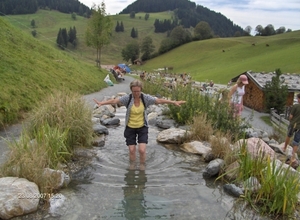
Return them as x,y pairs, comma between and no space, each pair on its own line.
202,31
247,31
131,51
99,28
147,48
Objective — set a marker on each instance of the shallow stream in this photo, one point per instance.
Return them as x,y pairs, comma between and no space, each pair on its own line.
170,187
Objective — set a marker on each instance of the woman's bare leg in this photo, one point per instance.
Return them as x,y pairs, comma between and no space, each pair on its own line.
142,152
132,153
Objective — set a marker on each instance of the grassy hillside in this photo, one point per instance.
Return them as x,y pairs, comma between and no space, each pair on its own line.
31,69
49,22
205,60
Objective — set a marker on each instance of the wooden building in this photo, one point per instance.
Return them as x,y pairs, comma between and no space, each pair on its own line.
254,97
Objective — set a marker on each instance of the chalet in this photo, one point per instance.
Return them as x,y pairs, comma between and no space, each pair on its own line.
254,97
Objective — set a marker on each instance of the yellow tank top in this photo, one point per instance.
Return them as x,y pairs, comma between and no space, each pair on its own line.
136,117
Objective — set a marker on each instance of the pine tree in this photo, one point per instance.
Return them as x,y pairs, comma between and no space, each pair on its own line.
117,28
122,27
133,33
65,37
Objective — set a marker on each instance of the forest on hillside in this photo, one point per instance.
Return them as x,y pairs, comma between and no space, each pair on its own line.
15,7
189,14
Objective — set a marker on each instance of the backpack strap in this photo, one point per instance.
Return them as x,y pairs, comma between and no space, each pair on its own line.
130,97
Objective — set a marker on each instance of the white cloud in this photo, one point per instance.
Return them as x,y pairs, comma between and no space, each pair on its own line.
258,12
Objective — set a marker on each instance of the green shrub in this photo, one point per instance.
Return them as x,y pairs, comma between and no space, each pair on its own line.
219,113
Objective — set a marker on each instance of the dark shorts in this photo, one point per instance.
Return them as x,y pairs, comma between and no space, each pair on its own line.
136,135
291,131
296,138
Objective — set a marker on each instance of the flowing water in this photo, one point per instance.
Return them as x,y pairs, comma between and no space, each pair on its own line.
170,187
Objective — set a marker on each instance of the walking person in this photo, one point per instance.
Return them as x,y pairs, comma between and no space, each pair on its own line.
136,120
236,95
293,129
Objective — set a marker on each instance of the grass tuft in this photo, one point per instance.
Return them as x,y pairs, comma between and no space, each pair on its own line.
59,124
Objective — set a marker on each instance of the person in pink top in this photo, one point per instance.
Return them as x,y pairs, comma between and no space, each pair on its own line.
236,95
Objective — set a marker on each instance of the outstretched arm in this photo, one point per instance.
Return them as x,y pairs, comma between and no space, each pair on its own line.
166,101
108,102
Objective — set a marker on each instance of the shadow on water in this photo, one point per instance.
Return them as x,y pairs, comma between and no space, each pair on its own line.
134,203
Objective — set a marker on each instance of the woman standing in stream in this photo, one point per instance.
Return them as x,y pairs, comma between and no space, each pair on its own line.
136,121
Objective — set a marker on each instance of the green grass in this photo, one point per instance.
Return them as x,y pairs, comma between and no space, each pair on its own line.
204,60
30,70
49,22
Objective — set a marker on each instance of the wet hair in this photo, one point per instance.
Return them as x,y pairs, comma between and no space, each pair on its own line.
137,83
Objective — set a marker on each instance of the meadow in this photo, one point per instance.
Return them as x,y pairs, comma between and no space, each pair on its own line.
218,59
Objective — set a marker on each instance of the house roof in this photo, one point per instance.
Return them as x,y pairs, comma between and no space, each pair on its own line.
292,80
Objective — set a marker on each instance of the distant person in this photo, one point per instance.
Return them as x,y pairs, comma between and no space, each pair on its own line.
236,95
204,87
293,129
211,83
142,75
136,121
224,96
174,83
229,83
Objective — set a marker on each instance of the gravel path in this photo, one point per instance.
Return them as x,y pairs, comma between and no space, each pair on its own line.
109,91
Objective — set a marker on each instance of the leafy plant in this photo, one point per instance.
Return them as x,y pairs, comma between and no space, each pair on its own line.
276,93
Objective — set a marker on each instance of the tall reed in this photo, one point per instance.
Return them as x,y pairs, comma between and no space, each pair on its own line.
55,127
279,187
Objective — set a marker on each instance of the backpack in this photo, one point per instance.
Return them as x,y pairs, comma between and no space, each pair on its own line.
130,97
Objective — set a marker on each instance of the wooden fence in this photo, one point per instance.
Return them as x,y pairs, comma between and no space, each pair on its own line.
279,120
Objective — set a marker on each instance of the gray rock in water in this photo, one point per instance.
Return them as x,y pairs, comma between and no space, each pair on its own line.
233,190
100,129
111,121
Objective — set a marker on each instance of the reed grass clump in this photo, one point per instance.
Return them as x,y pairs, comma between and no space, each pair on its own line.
55,127
66,111
200,129
29,157
220,144
279,186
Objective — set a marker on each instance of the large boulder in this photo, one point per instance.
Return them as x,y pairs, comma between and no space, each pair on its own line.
172,136
18,196
256,147
195,147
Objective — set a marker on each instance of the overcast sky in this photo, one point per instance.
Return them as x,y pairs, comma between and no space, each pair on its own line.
241,12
